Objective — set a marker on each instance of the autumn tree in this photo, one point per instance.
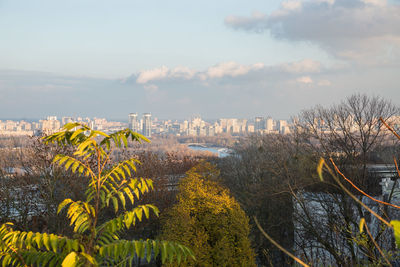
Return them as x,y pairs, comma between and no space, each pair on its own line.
260,173
209,221
274,179
96,239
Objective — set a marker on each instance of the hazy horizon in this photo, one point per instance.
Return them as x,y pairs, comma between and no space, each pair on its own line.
220,59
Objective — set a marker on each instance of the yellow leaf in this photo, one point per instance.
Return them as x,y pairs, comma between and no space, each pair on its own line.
396,228
71,260
319,168
362,223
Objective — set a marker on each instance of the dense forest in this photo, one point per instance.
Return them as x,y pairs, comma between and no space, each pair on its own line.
124,201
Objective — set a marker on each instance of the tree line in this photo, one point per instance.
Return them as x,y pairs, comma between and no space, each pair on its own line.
210,205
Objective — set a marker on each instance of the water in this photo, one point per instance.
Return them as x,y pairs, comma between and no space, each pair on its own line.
220,151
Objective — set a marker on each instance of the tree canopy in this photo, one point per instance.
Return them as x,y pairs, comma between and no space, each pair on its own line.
209,221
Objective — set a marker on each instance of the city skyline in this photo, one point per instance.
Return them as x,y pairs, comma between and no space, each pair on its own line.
124,118
147,126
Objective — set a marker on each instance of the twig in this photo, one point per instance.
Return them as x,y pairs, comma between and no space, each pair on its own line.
361,191
279,246
397,166
354,198
376,245
390,128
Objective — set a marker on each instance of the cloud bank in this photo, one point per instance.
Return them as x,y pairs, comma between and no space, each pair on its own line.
358,30
226,89
222,70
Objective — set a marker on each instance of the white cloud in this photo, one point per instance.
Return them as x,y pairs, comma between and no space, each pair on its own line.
291,5
154,74
164,73
305,79
182,72
256,22
306,65
231,69
361,30
376,2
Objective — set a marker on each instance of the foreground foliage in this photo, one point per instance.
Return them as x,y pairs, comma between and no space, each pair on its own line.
95,242
209,221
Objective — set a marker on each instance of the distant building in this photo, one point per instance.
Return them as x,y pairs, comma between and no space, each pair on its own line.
134,122
146,128
50,125
250,128
259,124
66,120
269,124
281,124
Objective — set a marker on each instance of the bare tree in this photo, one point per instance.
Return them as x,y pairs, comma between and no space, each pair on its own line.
260,173
274,178
326,218
350,132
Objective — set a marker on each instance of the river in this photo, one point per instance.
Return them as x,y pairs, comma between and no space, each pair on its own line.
220,151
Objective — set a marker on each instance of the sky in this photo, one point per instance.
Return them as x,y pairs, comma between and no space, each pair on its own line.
176,59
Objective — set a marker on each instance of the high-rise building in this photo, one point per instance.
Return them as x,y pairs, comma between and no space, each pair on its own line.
281,125
269,124
146,128
134,122
259,124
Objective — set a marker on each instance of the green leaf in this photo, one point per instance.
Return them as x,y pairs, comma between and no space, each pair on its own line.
115,203
89,258
122,199
54,242
171,252
75,245
62,160
6,260
148,251
76,133
71,260
164,253
71,125
156,248
125,140
396,228
138,248
129,194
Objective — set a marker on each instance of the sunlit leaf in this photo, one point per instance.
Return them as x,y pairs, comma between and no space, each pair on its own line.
71,260
396,228
362,223
319,168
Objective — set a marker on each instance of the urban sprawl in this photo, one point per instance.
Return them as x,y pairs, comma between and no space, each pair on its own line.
148,126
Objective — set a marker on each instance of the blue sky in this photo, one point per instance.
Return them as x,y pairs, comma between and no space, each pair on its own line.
179,58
